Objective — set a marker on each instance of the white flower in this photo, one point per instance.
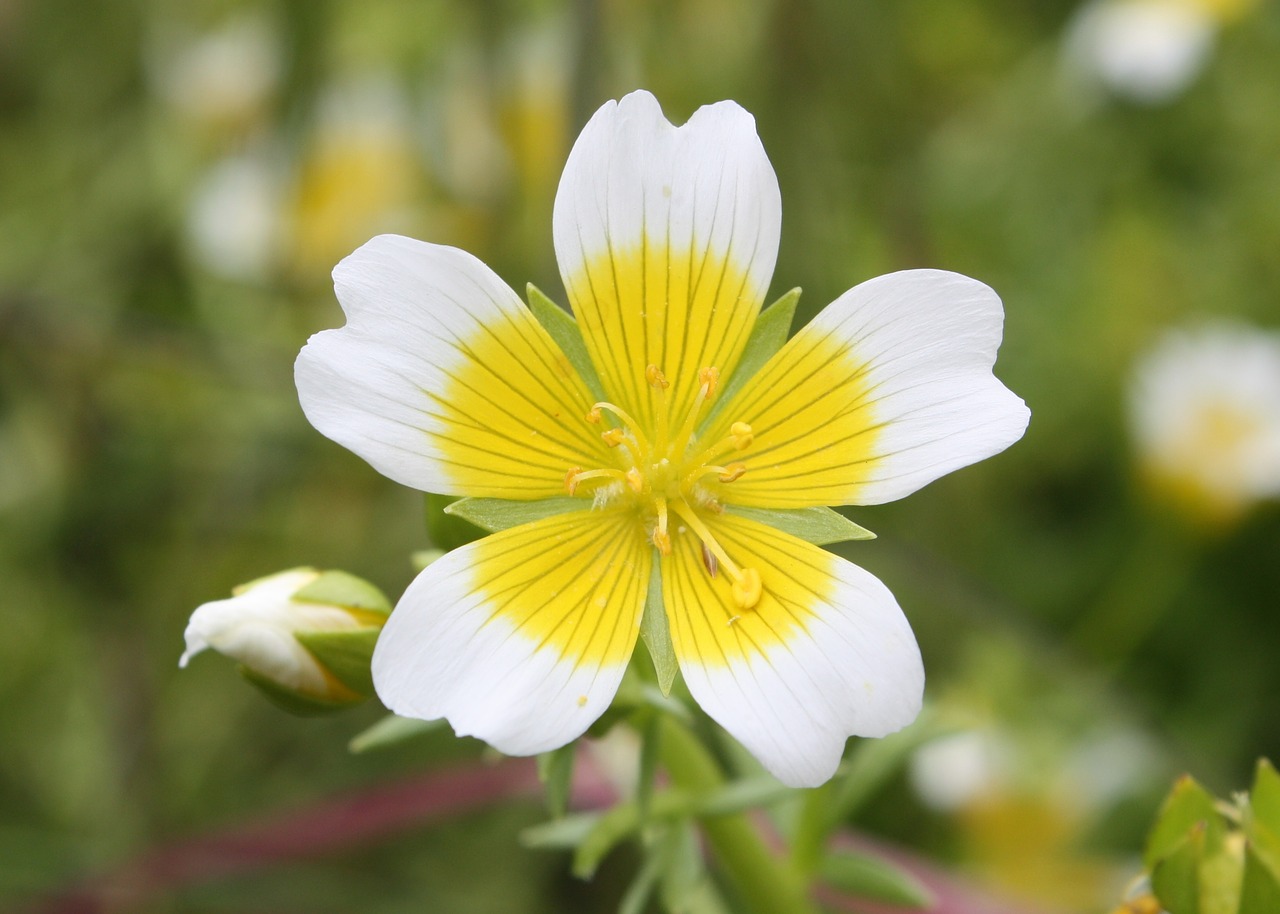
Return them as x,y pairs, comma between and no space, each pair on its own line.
957,769
687,445
225,76
265,624
234,221
1205,408
1147,51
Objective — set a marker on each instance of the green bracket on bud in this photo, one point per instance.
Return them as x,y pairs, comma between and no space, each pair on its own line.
1207,856
305,638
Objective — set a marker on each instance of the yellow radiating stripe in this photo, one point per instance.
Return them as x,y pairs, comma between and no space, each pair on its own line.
681,310
511,414
574,583
707,627
812,411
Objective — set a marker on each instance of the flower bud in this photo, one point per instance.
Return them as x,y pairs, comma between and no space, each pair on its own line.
304,637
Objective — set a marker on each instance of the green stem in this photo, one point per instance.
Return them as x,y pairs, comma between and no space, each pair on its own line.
764,881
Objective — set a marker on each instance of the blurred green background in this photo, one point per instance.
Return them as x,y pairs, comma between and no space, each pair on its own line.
176,182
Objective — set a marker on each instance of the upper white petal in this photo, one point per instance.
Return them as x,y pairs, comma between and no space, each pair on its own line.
928,341
392,385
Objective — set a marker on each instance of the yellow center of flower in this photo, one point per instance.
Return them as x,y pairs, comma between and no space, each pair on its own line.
671,478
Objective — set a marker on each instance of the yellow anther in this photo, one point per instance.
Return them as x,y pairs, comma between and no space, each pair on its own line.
732,471
742,435
571,479
708,378
747,588
613,437
635,479
653,374
662,539
593,415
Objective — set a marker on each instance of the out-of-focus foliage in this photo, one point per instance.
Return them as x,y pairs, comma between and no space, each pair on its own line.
177,179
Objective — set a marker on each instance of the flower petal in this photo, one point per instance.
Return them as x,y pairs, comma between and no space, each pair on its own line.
442,379
666,239
887,389
520,638
825,654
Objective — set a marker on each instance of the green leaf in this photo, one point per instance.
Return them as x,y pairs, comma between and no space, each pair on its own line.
820,526
301,705
562,328
445,530
737,796
1260,889
561,834
392,730
873,879
1175,878
684,872
767,337
337,588
494,514
555,770
636,898
656,632
1221,872
611,829
874,761
650,745
1187,805
346,654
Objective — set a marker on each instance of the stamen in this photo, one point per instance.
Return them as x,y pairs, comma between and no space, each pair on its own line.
625,418
731,472
661,538
707,380
742,435
747,586
577,475
633,478
613,437
593,415
709,561
653,374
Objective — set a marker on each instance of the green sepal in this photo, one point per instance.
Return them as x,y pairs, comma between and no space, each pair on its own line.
495,514
562,328
337,588
294,703
1221,872
346,654
1175,879
1260,888
767,336
249,585
555,770
656,632
391,731
873,879
446,530
820,526
1188,805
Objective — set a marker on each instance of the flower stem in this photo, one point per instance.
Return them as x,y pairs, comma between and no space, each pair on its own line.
765,882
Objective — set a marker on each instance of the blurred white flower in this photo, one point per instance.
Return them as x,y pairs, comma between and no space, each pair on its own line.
953,771
1147,51
265,623
1205,408
222,77
234,220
